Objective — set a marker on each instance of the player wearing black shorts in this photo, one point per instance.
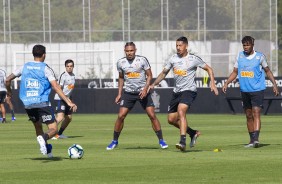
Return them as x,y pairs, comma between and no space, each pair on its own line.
63,110
3,92
184,66
37,79
135,74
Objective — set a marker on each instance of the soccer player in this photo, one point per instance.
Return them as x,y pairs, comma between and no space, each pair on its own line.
251,67
184,66
37,79
3,92
63,111
135,73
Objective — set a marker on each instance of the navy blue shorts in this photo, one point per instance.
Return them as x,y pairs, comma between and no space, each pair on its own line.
44,115
185,97
2,96
62,106
128,100
252,99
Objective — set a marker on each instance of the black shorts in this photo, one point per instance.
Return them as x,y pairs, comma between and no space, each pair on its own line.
252,99
185,97
2,96
44,115
62,106
129,99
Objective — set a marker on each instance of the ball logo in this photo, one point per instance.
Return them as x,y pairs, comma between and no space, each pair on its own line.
31,83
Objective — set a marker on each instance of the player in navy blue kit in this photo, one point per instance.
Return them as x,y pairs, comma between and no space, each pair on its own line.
251,67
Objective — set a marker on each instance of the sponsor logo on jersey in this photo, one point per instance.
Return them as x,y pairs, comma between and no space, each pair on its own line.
32,83
180,72
248,74
70,86
33,67
31,93
133,75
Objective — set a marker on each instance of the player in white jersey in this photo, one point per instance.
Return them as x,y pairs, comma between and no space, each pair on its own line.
63,111
184,66
135,74
3,92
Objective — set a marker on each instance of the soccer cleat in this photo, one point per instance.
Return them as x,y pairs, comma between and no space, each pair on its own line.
55,137
256,144
180,146
13,118
250,145
62,136
163,144
49,150
194,138
4,120
113,145
42,144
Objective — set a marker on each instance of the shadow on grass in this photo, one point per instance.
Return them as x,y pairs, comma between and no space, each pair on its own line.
45,160
74,136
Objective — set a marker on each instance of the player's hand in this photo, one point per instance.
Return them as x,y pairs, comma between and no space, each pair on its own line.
143,93
275,90
117,100
214,89
224,88
150,87
73,107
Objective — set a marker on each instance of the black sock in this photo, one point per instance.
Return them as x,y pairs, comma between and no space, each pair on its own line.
13,113
190,131
256,135
45,137
252,136
183,139
116,135
61,131
159,134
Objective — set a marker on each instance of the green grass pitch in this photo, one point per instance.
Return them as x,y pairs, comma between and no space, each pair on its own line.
138,158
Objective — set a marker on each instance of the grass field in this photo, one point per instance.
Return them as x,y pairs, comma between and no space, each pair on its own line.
139,159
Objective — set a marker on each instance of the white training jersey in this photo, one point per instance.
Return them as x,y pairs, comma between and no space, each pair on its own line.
134,73
2,80
184,71
66,81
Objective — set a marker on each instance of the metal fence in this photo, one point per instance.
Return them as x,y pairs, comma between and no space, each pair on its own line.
213,24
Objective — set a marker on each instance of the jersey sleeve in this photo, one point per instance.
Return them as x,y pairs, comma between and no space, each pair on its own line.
49,73
263,61
146,64
236,62
119,67
168,63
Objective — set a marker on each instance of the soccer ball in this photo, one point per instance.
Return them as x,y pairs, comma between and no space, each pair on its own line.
75,151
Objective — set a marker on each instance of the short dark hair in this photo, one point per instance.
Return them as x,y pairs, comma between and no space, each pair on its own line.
248,39
182,39
38,51
129,44
69,61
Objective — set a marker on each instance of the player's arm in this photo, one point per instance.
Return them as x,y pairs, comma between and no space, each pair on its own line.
212,81
120,86
8,84
149,77
231,78
60,92
160,77
272,79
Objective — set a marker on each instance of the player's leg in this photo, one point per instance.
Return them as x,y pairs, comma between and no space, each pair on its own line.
3,111
11,106
64,125
2,106
156,126
182,109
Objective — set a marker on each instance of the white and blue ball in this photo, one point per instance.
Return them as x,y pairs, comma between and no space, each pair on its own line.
75,151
